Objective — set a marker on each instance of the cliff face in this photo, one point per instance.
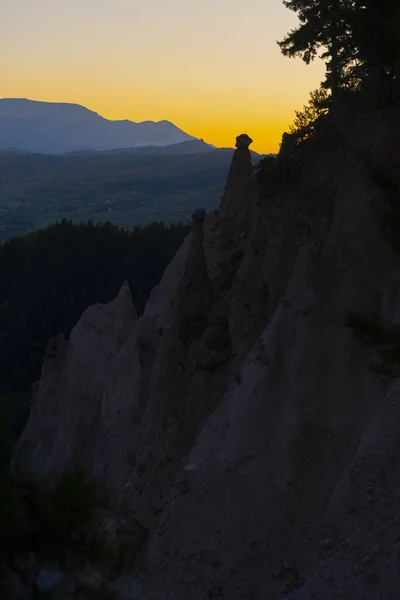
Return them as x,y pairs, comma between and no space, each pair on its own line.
239,418
65,411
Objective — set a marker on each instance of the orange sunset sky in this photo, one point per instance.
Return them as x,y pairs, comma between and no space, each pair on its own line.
210,66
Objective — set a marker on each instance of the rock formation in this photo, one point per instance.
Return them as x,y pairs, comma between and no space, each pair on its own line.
65,411
239,418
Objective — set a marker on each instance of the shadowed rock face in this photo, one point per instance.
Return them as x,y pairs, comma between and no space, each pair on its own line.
65,414
240,176
240,418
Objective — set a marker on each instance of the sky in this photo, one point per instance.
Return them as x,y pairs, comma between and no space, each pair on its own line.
212,67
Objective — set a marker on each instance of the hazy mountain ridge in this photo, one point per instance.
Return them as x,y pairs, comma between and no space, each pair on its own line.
194,146
57,128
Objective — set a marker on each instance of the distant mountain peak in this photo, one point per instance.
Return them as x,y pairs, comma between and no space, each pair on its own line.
60,127
13,105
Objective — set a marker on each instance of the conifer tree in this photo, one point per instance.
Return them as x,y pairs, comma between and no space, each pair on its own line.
303,125
377,38
359,39
324,25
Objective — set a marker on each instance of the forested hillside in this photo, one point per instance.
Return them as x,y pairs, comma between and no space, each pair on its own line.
47,278
125,188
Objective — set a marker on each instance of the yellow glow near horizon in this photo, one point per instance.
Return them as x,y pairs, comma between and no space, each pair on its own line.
212,67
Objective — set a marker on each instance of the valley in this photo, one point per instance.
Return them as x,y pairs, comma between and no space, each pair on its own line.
126,188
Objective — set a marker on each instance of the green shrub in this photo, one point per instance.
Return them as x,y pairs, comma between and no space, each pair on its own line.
389,214
66,512
14,411
52,522
105,593
303,126
384,178
371,330
368,329
15,520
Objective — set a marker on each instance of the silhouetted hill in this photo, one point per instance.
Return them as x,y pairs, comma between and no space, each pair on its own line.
56,128
189,147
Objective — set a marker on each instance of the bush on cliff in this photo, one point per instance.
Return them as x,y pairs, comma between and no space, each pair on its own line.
384,337
50,521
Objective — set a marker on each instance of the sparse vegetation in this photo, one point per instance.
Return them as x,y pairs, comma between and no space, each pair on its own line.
303,126
59,523
371,330
389,212
50,521
104,593
39,275
14,411
368,329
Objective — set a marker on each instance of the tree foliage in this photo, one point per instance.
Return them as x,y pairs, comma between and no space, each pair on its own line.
303,125
49,277
358,39
323,27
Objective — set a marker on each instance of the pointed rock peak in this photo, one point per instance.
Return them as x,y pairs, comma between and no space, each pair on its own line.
124,296
243,141
124,301
125,292
114,319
